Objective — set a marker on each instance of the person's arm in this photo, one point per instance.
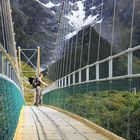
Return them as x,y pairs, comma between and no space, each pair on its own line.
43,82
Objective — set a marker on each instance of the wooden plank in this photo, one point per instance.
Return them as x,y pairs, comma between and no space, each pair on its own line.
43,123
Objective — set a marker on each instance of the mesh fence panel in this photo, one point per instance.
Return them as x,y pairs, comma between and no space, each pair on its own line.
11,101
113,105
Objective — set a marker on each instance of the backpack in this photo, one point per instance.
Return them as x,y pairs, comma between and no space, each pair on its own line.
36,82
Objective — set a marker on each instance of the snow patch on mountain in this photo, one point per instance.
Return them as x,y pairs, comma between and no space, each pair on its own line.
77,18
49,4
69,35
91,20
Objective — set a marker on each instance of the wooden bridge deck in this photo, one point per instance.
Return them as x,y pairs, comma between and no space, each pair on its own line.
43,123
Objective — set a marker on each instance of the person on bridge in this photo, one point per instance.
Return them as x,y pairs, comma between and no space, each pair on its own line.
38,82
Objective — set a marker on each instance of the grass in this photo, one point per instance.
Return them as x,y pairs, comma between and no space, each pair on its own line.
116,111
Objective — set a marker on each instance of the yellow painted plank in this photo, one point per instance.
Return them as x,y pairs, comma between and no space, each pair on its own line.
16,137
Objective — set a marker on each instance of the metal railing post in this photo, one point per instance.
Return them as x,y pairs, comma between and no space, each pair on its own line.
62,82
130,61
97,70
65,81
87,74
80,76
110,67
73,78
69,80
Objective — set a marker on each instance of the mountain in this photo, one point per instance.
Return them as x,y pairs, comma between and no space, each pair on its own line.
36,23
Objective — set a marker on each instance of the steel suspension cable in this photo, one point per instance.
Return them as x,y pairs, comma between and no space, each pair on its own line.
76,45
71,51
70,57
58,57
82,45
131,43
58,39
58,52
67,57
89,44
67,52
2,24
113,27
71,47
65,33
99,40
68,47
11,49
55,54
61,42
10,32
57,45
132,24
100,31
5,23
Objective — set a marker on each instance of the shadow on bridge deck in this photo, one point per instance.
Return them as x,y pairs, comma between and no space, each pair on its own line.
43,123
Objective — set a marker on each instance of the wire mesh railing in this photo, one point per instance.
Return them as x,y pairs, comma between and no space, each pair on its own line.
11,97
105,92
120,66
116,111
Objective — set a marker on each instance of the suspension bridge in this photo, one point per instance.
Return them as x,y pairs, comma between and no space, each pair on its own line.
96,90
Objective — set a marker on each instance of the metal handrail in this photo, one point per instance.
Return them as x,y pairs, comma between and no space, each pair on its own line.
13,66
58,84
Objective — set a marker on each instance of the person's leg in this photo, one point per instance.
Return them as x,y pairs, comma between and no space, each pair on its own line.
39,93
37,96
40,100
